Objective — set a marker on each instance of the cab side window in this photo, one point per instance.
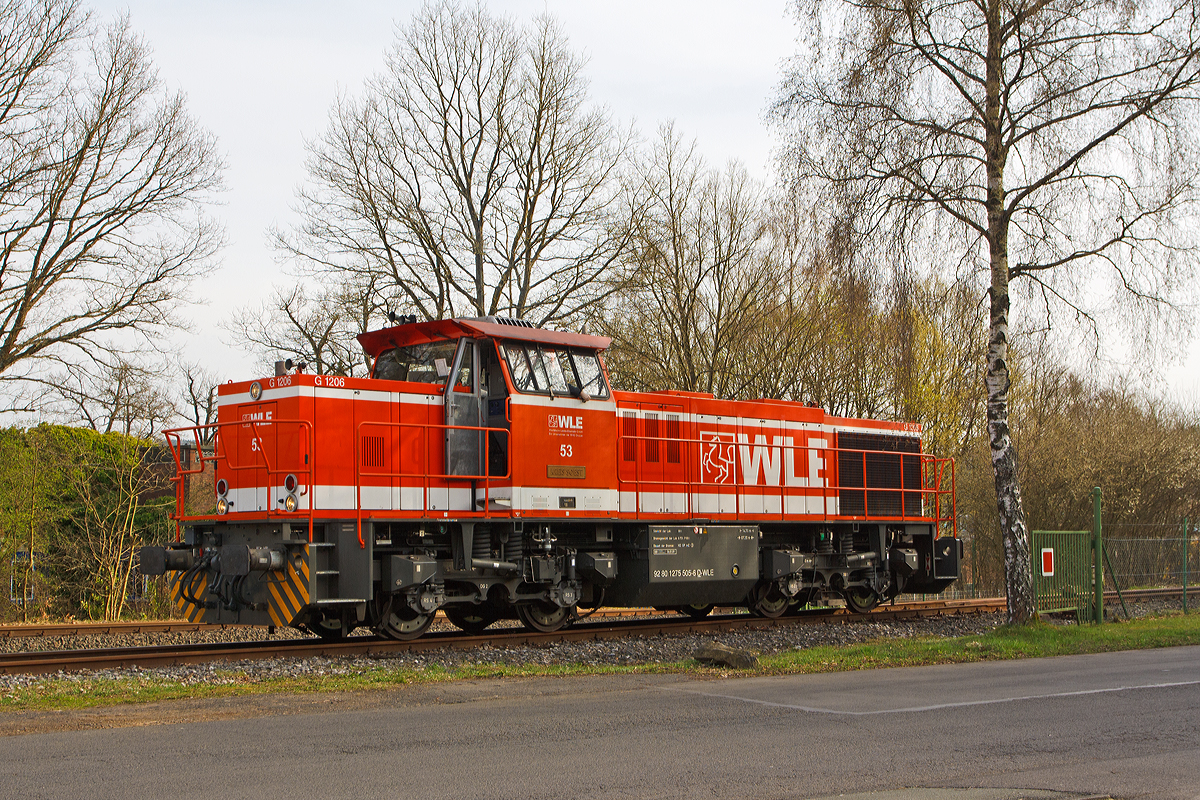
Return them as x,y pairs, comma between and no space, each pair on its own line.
591,377
465,380
519,368
560,371
554,369
419,363
539,368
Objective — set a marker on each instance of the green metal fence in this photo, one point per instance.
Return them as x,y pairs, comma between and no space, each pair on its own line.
1063,567
1068,568
1152,556
1072,569
1141,555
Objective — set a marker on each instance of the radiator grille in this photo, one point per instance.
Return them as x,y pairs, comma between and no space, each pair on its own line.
372,451
629,435
890,463
672,438
652,438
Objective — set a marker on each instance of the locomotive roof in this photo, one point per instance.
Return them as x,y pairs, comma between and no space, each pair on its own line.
375,342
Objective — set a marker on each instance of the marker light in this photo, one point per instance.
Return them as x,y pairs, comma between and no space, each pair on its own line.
222,487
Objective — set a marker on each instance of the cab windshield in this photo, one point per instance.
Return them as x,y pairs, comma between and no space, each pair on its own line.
419,363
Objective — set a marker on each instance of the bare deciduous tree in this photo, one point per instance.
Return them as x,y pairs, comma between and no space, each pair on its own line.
198,398
471,175
739,294
700,286
102,178
123,395
1056,139
317,330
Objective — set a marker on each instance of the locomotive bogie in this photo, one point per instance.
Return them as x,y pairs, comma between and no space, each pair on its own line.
488,471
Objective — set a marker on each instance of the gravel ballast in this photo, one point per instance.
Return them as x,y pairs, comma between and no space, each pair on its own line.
658,649
630,650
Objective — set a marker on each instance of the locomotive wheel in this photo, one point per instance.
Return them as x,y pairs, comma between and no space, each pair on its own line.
400,623
544,617
861,601
770,602
696,610
331,630
471,618
800,602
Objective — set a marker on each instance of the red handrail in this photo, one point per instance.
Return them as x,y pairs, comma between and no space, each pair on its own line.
174,438
427,475
939,503
931,490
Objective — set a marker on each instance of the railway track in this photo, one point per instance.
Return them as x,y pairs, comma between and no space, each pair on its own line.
607,624
181,626
39,662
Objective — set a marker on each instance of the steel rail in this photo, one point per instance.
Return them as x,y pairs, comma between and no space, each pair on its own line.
47,630
40,662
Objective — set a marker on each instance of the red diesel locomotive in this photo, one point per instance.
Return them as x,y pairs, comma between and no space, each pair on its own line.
487,469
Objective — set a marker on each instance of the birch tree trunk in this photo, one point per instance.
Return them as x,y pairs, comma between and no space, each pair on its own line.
1017,575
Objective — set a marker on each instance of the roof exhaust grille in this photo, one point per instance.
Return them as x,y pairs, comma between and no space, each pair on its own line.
516,323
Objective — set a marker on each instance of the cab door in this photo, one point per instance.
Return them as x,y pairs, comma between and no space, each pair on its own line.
465,403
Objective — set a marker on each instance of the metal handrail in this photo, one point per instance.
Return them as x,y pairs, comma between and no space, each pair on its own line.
935,472
426,476
174,438
940,465
931,491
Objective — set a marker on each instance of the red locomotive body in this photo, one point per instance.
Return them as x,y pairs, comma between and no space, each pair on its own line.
487,470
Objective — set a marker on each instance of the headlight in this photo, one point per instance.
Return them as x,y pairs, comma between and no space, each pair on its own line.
290,503
255,390
222,505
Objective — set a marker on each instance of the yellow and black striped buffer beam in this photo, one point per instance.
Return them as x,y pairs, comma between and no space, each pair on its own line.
184,607
287,590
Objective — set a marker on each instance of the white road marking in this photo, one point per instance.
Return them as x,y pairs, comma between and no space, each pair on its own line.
911,709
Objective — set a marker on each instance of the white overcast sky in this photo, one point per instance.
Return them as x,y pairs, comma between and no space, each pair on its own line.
262,75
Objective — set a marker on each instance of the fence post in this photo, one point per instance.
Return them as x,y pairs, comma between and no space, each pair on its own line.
1187,540
1098,551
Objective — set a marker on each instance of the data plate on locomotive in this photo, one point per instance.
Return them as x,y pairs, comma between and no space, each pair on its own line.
703,553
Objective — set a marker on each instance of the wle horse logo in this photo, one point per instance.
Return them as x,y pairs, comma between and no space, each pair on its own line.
718,457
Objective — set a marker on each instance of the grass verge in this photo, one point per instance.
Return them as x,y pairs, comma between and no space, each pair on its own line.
1037,640
65,692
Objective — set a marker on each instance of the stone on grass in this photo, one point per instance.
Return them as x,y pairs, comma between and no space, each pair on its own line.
724,655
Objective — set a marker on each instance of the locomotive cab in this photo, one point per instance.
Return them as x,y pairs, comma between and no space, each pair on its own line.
464,369
512,390
487,469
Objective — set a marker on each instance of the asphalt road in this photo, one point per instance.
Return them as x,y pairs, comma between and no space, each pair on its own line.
1120,724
